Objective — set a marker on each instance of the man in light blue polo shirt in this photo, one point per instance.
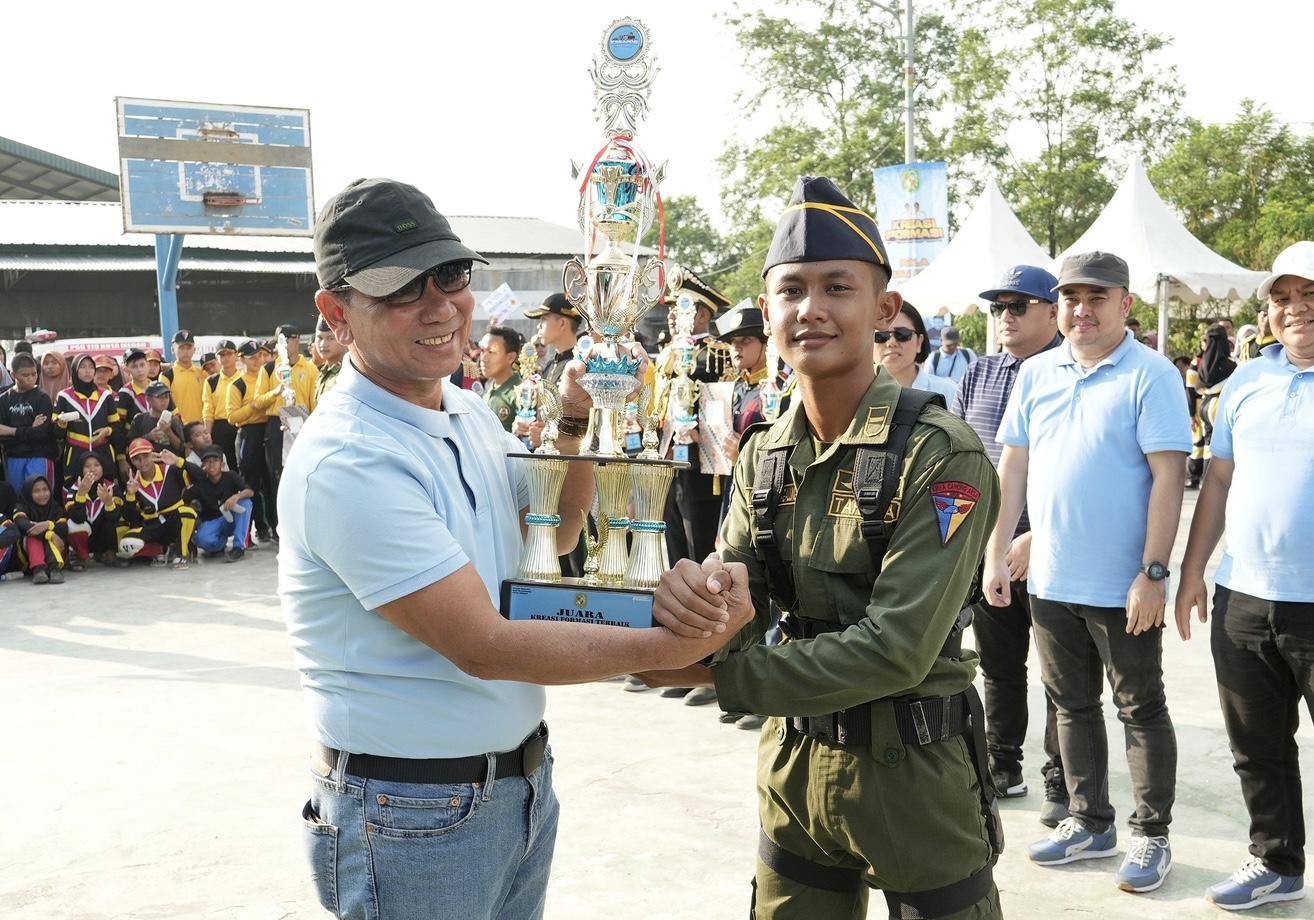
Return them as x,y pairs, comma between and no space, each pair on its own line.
400,516
1095,440
1260,484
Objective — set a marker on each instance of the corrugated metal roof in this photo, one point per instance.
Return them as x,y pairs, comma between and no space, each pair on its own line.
135,263
98,223
28,173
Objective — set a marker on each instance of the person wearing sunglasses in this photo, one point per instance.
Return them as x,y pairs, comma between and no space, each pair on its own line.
902,351
401,515
1026,324
1095,439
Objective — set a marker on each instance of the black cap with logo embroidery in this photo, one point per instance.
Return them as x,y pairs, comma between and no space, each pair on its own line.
821,224
378,234
553,303
184,337
248,349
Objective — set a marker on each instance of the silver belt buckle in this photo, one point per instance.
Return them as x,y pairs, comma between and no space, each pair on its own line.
919,720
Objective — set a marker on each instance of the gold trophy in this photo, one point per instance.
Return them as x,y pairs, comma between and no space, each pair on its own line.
612,289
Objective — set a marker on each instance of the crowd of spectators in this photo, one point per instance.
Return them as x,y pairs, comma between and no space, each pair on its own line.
119,462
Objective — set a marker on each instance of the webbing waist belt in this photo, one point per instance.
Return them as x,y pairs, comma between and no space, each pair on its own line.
920,721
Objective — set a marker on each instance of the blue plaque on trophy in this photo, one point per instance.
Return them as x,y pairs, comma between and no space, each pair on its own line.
569,602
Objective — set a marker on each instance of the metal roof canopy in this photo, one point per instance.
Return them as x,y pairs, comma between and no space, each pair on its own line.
29,174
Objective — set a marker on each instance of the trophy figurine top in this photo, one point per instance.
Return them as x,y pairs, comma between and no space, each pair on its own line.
684,390
619,203
534,393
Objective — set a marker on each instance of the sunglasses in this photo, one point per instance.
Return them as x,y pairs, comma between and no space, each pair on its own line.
1018,308
901,335
450,277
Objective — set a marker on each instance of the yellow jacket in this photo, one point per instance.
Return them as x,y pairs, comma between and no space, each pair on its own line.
186,384
214,402
304,377
241,401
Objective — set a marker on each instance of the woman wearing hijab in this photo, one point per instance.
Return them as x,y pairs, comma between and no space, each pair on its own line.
55,375
40,519
94,506
87,414
1213,367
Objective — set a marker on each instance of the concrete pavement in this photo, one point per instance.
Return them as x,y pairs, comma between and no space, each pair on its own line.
154,740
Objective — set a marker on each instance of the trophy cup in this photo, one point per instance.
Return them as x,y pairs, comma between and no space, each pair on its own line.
769,391
611,289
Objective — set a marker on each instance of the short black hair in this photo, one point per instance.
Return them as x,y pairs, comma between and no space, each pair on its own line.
189,428
22,361
919,326
512,339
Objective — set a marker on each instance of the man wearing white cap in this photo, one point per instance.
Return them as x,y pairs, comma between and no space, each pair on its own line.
1260,484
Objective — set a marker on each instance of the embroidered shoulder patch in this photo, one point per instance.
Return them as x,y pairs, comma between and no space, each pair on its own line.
953,501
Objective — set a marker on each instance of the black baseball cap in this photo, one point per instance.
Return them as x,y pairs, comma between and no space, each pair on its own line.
287,331
211,450
1101,269
554,303
209,356
225,345
184,337
132,354
377,234
248,349
156,388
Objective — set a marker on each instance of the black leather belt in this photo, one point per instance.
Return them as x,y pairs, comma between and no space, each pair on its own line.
922,721
523,761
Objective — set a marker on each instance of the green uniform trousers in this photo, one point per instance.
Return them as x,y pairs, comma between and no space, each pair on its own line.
907,816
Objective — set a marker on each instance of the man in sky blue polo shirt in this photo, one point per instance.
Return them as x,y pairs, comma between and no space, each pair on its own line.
1026,320
1260,483
401,515
1095,441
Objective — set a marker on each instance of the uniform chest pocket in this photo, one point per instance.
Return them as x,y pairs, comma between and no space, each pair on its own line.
839,551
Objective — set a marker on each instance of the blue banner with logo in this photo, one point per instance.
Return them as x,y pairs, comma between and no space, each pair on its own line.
912,212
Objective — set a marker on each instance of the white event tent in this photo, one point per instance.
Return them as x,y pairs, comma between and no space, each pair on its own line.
990,241
1164,258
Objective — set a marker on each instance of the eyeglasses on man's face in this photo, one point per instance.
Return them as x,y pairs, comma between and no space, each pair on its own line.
1016,308
900,335
450,277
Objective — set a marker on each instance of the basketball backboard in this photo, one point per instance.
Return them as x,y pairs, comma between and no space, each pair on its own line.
188,167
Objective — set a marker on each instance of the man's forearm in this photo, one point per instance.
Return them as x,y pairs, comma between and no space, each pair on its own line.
1210,518
1165,510
1013,466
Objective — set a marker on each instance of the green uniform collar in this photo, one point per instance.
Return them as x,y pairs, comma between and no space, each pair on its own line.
870,425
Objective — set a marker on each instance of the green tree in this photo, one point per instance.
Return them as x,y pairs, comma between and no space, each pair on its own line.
1245,189
691,240
1052,96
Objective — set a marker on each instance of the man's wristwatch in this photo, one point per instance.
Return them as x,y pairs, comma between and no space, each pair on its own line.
1155,571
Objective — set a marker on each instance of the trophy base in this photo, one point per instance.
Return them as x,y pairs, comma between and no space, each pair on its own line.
572,602
602,461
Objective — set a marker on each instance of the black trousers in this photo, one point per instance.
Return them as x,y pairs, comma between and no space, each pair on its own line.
1264,662
252,465
224,434
1003,640
1080,644
274,464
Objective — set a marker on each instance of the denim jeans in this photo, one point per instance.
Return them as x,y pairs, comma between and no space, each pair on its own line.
1077,644
1264,661
411,851
1003,638
212,535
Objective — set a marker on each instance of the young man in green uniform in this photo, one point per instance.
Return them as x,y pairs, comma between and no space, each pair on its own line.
499,351
867,775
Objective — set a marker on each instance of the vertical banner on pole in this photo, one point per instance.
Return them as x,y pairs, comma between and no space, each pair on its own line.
912,212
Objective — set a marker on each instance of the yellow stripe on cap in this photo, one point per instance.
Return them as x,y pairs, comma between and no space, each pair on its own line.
835,210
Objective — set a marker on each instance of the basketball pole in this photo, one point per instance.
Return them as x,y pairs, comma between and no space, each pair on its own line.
168,252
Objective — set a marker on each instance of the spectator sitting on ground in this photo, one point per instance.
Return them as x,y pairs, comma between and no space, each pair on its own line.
9,534
197,440
155,508
40,519
94,507
159,425
225,501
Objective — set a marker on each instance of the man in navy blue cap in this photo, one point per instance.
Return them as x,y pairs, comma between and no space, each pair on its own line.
862,511
1026,323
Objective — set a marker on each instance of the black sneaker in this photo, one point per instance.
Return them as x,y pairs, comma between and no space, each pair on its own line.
56,575
235,554
40,577
1055,807
1009,783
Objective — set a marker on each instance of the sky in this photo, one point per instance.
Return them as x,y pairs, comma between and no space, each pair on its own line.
484,106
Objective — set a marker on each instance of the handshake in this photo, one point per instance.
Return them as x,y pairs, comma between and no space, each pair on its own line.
704,605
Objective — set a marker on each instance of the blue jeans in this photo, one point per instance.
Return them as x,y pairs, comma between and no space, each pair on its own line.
17,469
405,851
212,535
